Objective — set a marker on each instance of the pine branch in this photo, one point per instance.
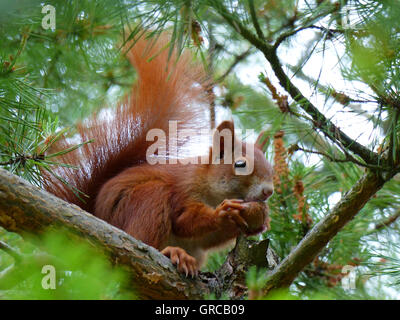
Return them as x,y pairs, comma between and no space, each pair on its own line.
10,250
319,120
347,158
254,19
312,244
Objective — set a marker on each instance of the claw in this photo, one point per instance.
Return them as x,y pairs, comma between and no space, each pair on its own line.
186,270
232,209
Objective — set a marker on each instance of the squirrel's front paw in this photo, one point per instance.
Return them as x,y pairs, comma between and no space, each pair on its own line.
250,217
184,262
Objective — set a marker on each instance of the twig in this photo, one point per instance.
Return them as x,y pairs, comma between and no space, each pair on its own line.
22,159
238,58
290,33
393,138
11,251
348,157
210,71
338,96
255,21
386,223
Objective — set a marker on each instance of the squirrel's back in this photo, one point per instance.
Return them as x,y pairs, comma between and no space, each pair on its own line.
167,89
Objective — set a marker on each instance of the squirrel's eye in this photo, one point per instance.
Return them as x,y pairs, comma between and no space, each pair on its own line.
240,164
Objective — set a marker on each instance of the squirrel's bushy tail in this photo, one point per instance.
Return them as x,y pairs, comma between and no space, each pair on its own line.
166,89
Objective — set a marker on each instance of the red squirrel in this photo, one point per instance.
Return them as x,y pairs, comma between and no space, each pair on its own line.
181,210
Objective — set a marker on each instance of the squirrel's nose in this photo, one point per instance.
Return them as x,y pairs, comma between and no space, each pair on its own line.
267,192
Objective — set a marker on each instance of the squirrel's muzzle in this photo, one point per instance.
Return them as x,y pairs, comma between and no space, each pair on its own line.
267,192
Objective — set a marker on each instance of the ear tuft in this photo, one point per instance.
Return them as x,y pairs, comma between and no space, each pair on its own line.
227,125
223,141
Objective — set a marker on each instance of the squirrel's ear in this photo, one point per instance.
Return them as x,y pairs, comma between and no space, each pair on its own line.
261,141
223,140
